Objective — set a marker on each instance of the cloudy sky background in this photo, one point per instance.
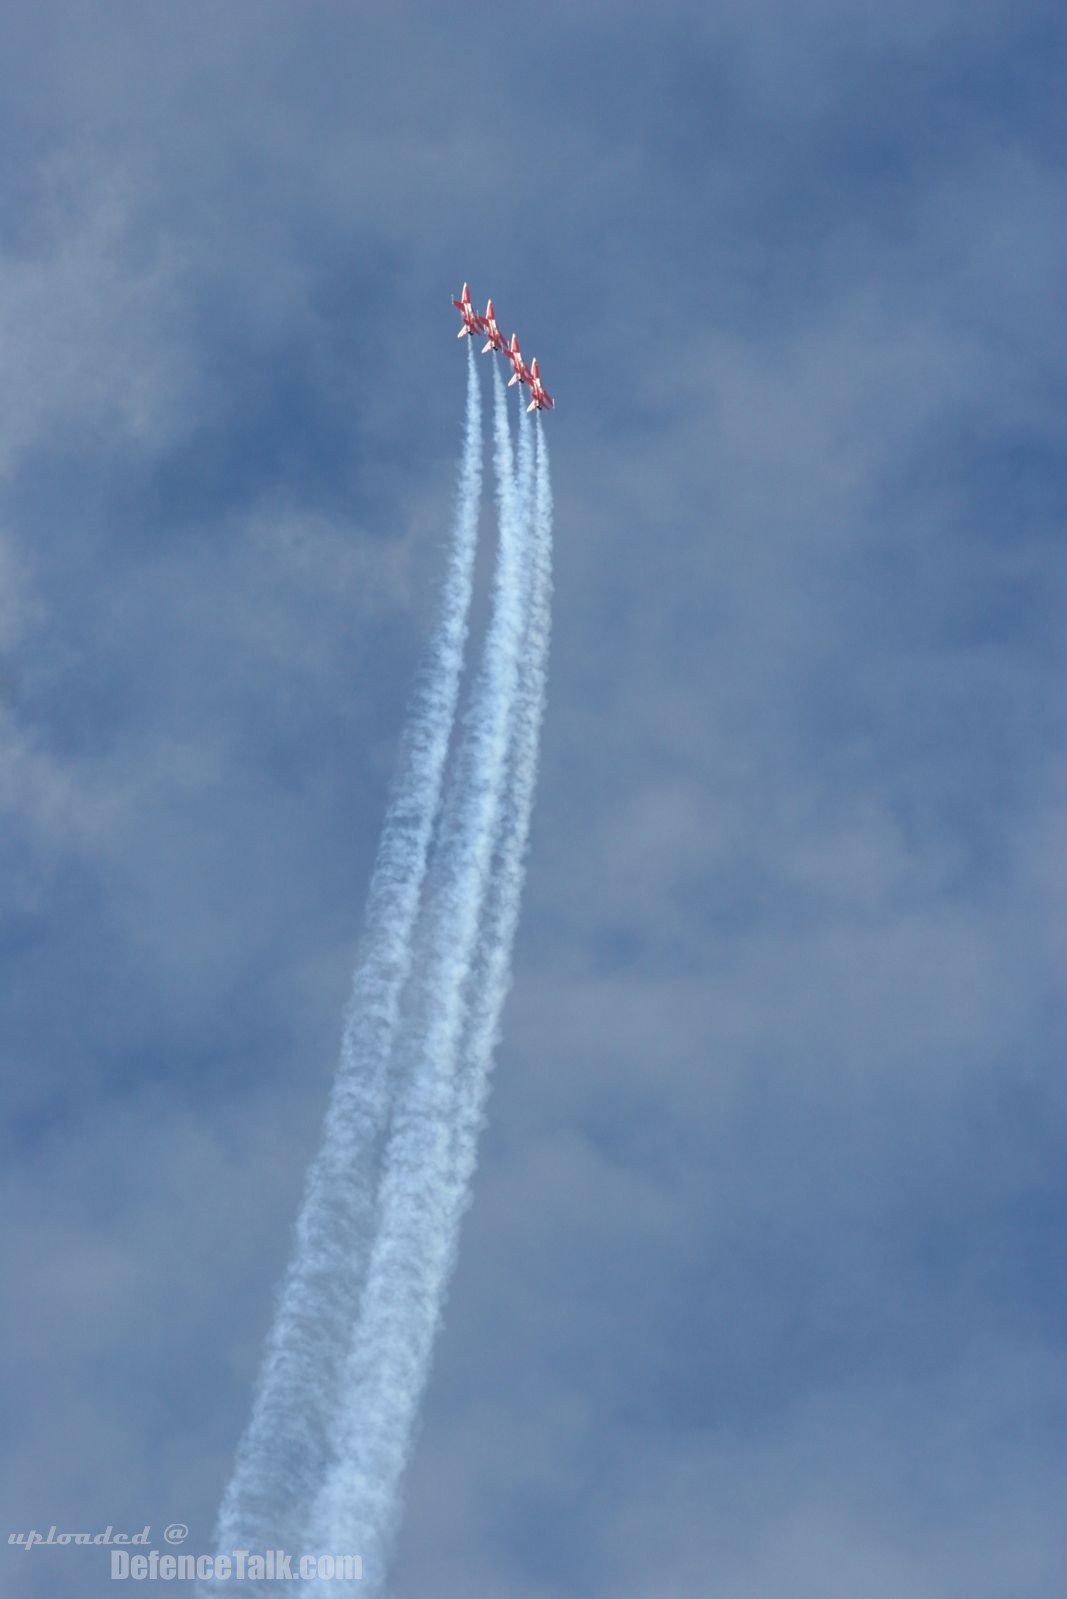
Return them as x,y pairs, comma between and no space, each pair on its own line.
762,1290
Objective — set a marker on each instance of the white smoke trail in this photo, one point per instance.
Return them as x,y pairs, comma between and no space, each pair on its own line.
492,974
419,1211
283,1456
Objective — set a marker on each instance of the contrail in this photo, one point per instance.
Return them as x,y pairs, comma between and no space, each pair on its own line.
284,1455
492,974
320,1467
419,1209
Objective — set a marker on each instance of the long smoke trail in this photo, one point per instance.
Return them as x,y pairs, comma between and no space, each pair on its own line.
492,974
419,1212
283,1457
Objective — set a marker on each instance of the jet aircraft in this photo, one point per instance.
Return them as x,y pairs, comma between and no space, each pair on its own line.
496,340
542,400
472,322
520,373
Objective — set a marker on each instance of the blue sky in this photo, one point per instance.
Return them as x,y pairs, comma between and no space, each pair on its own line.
761,1291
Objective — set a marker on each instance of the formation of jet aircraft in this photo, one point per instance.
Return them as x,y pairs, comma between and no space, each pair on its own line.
473,324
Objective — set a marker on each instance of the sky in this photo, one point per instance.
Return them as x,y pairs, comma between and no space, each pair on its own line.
762,1287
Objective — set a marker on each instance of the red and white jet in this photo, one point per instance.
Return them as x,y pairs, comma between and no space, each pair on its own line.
542,400
472,322
521,373
496,340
